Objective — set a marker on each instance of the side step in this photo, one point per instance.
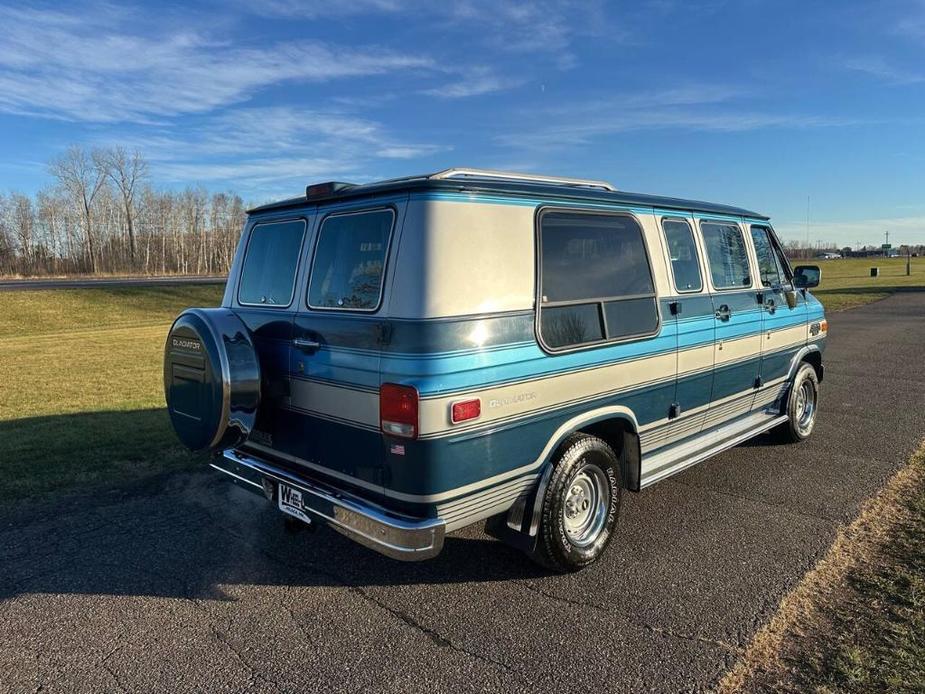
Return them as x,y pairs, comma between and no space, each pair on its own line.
668,462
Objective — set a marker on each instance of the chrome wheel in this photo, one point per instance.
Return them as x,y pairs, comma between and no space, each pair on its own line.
584,513
806,405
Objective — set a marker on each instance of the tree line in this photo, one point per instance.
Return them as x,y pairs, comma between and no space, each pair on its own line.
102,216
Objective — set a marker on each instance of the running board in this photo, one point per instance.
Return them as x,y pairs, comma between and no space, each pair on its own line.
666,463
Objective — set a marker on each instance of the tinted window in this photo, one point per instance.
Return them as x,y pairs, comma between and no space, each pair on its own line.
572,325
349,261
270,263
685,266
592,256
768,269
596,280
727,255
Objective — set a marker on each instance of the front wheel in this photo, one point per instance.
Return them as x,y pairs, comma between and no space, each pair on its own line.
802,403
580,506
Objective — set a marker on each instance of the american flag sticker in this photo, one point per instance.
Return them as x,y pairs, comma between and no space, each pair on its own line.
398,449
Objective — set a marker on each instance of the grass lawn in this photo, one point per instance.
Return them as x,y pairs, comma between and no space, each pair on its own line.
81,392
856,623
846,282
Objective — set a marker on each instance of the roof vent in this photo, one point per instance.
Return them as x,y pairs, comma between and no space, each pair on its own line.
319,191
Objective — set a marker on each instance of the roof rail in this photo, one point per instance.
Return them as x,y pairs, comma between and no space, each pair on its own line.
512,176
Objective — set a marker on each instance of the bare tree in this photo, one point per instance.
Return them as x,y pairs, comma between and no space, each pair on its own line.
103,216
22,220
126,171
79,175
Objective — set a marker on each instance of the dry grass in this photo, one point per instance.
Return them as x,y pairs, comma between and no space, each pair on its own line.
856,622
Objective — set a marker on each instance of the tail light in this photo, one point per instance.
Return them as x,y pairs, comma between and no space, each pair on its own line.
398,410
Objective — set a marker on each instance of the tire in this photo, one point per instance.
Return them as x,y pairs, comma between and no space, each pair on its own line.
211,379
580,506
802,405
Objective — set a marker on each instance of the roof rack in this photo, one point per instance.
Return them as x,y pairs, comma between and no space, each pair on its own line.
511,176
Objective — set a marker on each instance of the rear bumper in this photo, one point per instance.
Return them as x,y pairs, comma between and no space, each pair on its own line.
396,536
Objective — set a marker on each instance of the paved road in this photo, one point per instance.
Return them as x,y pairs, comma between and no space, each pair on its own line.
83,283
190,584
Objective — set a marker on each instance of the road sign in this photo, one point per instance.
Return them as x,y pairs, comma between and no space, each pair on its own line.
886,246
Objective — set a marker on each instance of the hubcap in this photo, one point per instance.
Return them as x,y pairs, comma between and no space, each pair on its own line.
806,405
584,513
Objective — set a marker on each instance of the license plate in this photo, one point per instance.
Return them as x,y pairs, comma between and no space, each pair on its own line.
290,501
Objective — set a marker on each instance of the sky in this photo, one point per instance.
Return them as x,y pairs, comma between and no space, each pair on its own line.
811,112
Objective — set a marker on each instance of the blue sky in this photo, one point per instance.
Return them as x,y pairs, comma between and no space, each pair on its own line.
755,103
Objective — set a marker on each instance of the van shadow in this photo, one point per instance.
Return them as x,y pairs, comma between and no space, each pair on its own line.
185,534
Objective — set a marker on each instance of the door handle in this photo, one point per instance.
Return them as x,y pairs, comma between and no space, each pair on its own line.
306,345
723,313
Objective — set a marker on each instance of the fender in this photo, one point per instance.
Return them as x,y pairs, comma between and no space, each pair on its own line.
799,356
523,520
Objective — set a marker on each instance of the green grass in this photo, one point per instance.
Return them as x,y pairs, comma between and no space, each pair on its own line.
874,638
846,282
856,622
81,394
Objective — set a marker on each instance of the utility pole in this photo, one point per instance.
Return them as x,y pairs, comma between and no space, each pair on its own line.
807,221
887,238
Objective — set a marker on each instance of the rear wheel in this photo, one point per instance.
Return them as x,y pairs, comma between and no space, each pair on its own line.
580,506
802,403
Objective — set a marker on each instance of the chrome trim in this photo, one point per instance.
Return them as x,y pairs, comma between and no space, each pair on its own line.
395,536
686,454
513,176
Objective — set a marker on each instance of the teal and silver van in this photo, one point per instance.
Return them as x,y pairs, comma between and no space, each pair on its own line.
401,359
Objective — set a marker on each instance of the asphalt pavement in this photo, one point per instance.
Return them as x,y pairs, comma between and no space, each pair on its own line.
187,583
89,282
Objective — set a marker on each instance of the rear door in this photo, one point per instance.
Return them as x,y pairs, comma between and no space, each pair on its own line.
265,298
332,422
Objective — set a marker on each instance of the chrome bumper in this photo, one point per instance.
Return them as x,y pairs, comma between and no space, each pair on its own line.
396,536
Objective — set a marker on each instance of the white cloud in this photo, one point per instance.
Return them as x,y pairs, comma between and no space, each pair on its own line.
877,67
704,108
87,67
271,151
475,82
321,8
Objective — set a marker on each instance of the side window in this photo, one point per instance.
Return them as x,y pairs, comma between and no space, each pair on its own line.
768,268
726,254
596,283
783,265
349,261
270,261
685,265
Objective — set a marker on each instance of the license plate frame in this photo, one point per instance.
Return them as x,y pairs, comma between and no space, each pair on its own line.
291,501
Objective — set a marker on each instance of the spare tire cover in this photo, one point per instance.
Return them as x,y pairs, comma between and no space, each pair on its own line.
211,378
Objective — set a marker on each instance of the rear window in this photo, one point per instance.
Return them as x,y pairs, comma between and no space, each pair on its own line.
727,255
270,262
349,261
596,280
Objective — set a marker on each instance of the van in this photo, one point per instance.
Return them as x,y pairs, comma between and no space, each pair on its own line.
402,359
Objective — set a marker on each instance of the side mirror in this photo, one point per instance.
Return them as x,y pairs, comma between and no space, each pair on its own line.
806,276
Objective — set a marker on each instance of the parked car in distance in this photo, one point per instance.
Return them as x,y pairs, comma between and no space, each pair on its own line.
402,359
